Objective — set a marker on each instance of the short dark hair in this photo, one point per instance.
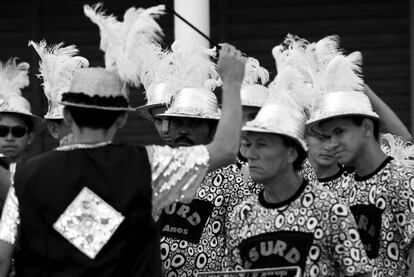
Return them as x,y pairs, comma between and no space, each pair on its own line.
290,142
358,121
93,118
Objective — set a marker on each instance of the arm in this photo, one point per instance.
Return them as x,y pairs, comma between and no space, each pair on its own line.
391,121
224,147
6,251
411,270
9,223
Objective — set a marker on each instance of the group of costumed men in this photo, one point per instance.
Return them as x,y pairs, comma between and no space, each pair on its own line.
309,175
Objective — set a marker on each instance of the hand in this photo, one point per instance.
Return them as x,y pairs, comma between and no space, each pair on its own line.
231,64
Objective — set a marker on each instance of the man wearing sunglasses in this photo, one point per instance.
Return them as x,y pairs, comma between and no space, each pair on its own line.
17,123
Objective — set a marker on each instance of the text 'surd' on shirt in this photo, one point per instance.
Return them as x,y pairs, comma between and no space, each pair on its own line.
276,249
186,221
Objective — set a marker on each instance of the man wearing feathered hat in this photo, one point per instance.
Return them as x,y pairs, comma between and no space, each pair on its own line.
92,207
17,122
57,66
322,163
158,91
291,222
379,191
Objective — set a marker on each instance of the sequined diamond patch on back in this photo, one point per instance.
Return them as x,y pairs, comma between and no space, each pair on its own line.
88,222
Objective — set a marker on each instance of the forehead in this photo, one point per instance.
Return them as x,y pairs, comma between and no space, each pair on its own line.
256,136
11,119
188,120
333,123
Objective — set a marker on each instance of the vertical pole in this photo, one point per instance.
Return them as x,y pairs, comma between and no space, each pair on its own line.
197,12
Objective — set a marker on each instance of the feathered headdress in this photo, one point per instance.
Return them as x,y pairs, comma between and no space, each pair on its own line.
123,42
13,78
402,151
192,66
253,92
254,73
335,76
287,106
57,67
192,76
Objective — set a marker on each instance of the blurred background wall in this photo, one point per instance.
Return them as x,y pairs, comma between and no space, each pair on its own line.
380,29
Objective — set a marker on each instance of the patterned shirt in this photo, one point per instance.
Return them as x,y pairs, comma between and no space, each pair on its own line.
313,230
190,246
332,183
383,205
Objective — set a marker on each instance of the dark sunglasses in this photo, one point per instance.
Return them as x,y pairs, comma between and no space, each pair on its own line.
16,131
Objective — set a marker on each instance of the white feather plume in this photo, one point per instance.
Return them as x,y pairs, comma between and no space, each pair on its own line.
402,151
342,74
325,68
13,77
125,43
192,66
254,73
57,67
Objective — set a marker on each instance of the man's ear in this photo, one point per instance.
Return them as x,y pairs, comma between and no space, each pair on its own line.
368,127
30,137
121,120
292,155
67,117
53,129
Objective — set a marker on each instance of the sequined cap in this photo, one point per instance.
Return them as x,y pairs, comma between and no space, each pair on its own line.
157,96
343,103
278,118
334,76
97,88
194,103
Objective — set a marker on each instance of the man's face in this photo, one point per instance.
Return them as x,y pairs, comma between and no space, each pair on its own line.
320,150
346,139
266,154
13,145
161,124
186,131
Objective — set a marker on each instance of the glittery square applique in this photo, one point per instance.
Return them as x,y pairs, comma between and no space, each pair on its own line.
88,222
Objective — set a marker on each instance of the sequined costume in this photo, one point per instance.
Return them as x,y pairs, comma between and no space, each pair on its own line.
383,205
193,234
95,207
313,229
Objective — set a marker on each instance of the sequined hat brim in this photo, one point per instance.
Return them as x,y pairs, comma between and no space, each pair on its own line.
144,110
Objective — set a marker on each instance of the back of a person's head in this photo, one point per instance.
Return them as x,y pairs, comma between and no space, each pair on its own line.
93,118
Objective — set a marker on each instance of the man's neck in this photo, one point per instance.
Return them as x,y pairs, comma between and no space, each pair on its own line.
284,186
323,172
370,158
89,136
